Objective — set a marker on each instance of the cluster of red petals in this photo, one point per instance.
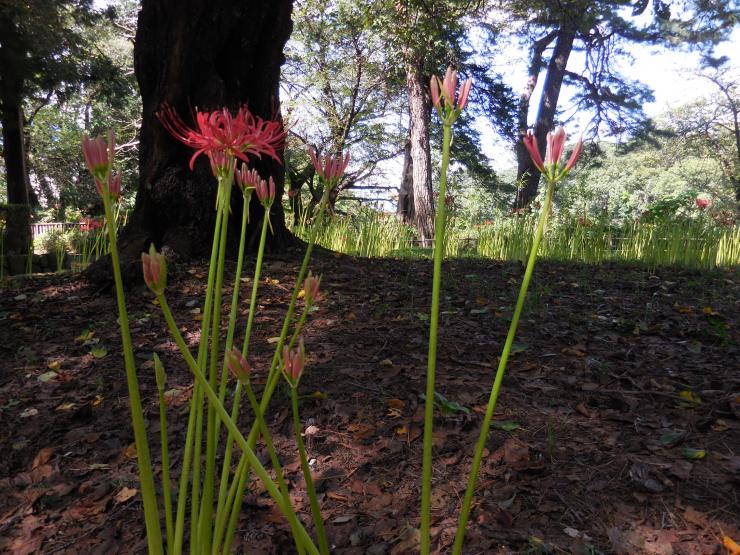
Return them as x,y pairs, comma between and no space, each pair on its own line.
88,224
221,132
329,168
443,93
702,203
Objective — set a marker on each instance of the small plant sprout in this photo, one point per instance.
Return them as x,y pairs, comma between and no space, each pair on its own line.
554,172
448,111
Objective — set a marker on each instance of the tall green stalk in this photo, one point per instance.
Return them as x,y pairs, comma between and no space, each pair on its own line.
439,245
496,387
146,477
272,489
318,521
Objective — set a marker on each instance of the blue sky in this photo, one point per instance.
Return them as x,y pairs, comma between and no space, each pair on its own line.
670,73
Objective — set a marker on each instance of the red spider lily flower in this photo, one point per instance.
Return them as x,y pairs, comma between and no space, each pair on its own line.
330,168
293,363
311,289
99,154
238,365
702,203
219,131
246,178
266,192
293,193
155,270
443,95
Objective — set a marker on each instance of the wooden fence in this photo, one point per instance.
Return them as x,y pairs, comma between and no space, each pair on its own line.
45,227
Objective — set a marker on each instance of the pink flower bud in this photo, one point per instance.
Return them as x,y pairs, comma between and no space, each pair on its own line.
702,203
238,365
530,142
329,168
293,363
449,86
154,266
99,154
266,192
555,146
311,289
114,185
577,150
462,99
434,87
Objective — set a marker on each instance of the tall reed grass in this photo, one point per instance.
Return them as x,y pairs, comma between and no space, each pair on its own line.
697,243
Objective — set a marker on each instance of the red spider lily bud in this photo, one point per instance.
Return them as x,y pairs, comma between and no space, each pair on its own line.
114,185
222,163
462,98
238,365
155,270
330,168
555,146
159,373
246,178
293,193
99,154
443,96
530,142
577,150
311,289
293,363
266,192
436,101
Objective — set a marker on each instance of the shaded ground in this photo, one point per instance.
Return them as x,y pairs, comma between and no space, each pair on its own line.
621,380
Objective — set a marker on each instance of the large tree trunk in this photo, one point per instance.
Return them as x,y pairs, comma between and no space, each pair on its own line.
405,207
420,107
12,60
206,55
18,223
527,173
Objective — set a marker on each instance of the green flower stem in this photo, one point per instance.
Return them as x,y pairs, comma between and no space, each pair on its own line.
146,476
272,489
318,521
166,484
255,283
282,486
469,492
184,477
270,386
206,508
439,245
273,375
226,467
234,302
197,392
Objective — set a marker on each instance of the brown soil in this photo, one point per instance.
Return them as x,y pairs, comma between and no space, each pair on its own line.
621,375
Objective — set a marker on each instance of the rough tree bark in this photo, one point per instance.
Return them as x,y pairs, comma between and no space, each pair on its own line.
18,216
405,207
420,107
527,173
201,54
